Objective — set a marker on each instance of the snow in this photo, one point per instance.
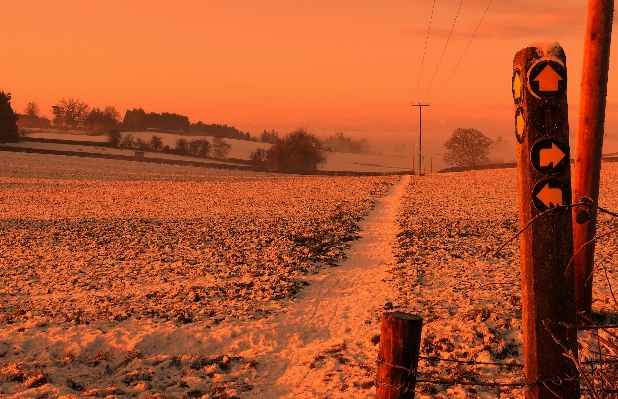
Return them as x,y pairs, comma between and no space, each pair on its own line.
86,149
241,149
124,279
120,274
548,48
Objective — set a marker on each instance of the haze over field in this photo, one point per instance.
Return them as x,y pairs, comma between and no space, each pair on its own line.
351,66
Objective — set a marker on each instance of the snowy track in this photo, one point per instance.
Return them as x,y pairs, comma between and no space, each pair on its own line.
322,343
163,282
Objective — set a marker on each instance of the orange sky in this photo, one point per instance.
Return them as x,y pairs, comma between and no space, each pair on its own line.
332,65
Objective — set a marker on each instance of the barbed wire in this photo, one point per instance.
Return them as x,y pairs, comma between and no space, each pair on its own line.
469,362
595,375
585,202
546,382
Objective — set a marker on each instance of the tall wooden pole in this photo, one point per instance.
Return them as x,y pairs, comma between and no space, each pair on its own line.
546,246
420,134
587,168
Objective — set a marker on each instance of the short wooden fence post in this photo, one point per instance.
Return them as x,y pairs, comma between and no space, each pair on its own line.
400,342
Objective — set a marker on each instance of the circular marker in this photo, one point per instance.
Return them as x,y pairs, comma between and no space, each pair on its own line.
516,86
520,125
547,79
550,156
549,193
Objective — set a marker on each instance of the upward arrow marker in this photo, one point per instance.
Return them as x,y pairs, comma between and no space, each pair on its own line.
548,79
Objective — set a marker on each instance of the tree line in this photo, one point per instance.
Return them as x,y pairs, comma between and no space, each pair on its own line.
75,114
298,152
340,143
219,148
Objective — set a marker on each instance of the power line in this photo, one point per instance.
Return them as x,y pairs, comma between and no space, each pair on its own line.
425,50
464,52
443,50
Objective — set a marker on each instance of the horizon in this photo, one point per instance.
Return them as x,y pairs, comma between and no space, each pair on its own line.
332,66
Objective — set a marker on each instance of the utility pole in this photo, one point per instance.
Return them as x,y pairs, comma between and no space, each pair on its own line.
587,168
420,134
413,145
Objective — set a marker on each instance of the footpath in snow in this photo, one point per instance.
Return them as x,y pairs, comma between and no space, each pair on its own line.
322,343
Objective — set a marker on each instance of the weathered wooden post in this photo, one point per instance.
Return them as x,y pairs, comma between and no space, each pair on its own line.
543,168
587,169
400,342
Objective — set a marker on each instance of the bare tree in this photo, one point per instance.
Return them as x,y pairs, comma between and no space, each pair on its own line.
114,137
258,157
112,113
127,141
199,147
70,113
156,143
220,148
182,146
32,110
467,147
141,144
297,152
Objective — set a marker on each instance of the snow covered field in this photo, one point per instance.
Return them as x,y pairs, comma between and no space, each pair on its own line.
241,149
88,149
104,263
125,279
451,224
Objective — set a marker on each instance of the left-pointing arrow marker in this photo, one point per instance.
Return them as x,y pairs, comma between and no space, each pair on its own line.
549,193
550,196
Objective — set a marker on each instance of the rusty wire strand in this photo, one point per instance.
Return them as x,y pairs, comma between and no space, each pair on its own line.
583,316
569,354
610,287
553,210
599,263
591,241
472,362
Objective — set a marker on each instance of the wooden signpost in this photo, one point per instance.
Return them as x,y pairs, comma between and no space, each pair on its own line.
543,167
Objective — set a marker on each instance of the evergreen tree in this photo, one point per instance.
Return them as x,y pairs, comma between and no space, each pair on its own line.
8,120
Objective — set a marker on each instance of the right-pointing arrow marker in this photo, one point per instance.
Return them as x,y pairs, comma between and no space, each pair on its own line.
551,156
550,196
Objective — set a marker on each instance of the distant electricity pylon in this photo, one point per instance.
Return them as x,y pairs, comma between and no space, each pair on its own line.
420,135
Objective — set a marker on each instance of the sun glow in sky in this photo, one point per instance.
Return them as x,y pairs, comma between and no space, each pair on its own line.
332,65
